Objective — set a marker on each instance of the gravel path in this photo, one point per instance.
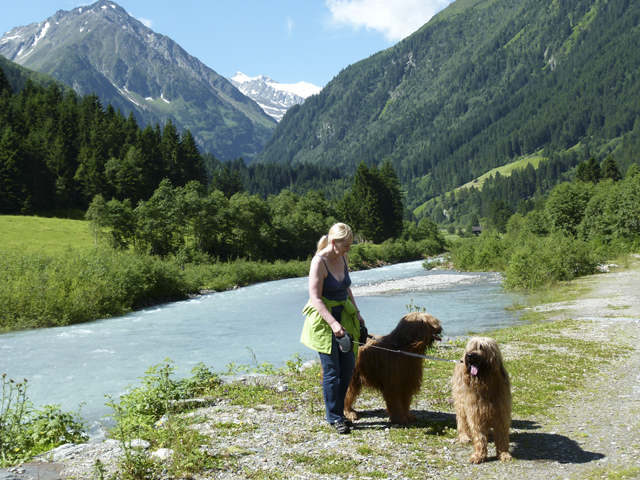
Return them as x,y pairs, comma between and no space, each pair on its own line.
589,435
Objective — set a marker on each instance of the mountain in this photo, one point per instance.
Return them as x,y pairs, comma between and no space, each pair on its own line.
273,97
484,82
103,49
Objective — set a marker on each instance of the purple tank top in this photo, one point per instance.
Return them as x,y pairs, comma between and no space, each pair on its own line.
332,289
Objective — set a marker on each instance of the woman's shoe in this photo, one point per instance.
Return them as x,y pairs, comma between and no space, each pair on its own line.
341,427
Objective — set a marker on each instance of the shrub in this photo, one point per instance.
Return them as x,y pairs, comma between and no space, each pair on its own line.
42,290
546,260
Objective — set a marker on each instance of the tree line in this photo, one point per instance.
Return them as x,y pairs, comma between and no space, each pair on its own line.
57,151
501,196
564,234
198,225
154,191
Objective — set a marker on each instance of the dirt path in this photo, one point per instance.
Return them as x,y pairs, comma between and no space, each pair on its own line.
596,433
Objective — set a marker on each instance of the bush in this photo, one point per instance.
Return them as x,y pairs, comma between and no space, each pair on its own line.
488,252
546,260
43,290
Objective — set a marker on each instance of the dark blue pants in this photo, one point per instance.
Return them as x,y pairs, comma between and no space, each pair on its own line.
337,368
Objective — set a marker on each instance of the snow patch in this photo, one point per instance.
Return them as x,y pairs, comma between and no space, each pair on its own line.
149,98
8,39
242,78
41,35
302,89
126,94
103,7
162,97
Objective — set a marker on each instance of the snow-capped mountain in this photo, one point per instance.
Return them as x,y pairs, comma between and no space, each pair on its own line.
101,48
274,98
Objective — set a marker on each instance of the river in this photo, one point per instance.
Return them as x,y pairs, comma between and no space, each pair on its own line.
83,363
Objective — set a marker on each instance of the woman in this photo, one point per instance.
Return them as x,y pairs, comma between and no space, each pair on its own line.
330,313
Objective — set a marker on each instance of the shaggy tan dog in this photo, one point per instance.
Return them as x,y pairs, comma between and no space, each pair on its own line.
482,398
397,376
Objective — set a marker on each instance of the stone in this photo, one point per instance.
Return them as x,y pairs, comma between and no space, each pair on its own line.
137,443
162,453
63,451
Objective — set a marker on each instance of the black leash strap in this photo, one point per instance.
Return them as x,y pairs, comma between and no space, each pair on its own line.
411,354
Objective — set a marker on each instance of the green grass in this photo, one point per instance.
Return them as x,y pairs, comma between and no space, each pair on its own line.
504,170
39,234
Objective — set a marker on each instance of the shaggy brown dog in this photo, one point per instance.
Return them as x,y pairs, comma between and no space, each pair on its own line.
482,398
398,377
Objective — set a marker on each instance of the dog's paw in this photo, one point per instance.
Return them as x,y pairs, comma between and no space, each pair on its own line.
352,415
464,438
504,457
402,418
477,458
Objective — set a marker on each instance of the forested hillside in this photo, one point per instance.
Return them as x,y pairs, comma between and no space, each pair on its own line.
483,82
57,151
17,76
266,179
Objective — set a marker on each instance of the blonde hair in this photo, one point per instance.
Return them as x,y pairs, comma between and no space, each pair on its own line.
339,232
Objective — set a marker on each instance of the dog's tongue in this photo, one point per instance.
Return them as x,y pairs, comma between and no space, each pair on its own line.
474,370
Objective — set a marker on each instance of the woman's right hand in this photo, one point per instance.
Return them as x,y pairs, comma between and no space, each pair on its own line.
338,329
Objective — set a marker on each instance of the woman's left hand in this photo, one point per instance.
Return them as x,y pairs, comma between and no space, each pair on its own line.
360,319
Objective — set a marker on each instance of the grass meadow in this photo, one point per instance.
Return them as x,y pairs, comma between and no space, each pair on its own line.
40,234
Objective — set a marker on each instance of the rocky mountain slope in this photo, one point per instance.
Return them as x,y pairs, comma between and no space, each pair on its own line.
101,48
274,98
483,83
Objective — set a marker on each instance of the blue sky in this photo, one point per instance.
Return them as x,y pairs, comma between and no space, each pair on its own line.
288,40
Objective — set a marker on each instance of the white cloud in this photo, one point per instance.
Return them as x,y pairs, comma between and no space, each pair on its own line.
290,24
396,19
145,22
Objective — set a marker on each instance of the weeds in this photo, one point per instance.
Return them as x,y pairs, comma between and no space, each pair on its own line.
25,431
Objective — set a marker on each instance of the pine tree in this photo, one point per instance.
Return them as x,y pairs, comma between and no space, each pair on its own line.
392,201
5,86
610,169
169,148
589,171
191,164
12,189
152,163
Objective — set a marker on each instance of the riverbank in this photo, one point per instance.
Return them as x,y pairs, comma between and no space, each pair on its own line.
576,408
423,283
